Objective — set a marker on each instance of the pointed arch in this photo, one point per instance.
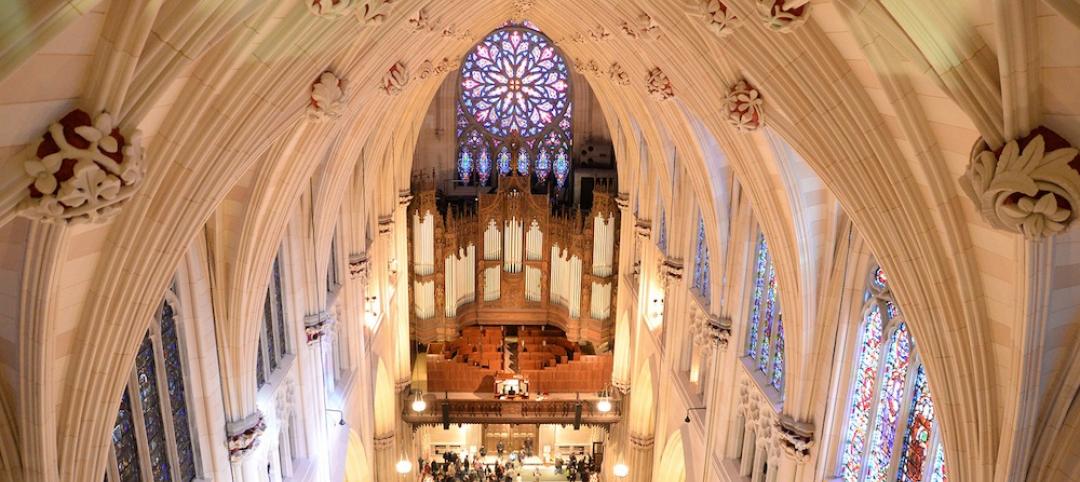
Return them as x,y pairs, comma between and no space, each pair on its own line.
357,467
384,400
672,466
642,409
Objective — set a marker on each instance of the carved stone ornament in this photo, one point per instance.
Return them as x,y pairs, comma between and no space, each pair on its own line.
641,442
1030,185
327,97
587,67
404,198
359,264
618,75
659,85
386,225
795,438
422,22
522,7
244,437
396,78
643,27
622,386
372,12
784,15
83,169
329,8
743,107
595,34
672,270
711,332
623,201
643,228
432,68
721,19
317,326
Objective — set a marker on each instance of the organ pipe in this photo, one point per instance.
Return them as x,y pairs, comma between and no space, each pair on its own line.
492,242
513,238
423,243
603,245
534,242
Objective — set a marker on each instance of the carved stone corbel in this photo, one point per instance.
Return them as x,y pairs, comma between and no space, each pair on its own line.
622,386
386,225
643,228
1030,185
243,436
359,264
317,326
623,201
404,197
82,170
711,331
795,438
672,271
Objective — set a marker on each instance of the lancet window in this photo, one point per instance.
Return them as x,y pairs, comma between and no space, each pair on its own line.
890,431
273,334
152,436
514,112
765,341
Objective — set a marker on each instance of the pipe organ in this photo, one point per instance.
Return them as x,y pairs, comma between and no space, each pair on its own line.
509,258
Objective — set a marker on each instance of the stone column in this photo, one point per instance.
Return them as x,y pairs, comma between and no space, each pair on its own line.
244,437
313,372
385,457
640,457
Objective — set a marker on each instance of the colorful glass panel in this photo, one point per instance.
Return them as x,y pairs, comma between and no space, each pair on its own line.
146,376
760,266
701,262
465,166
777,378
279,309
862,399
562,168
174,375
898,353
260,366
523,162
917,436
880,280
483,167
543,165
503,161
268,331
661,241
770,316
124,444
514,82
939,473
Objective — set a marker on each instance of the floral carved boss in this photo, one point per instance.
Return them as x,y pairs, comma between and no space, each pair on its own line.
329,8
83,169
784,15
327,97
1030,185
721,19
743,107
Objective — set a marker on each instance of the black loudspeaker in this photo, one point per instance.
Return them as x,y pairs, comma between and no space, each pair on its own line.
577,416
446,416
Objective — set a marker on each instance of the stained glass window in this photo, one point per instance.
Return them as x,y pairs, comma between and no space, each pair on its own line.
279,307
273,334
939,473
157,392
124,444
174,374
661,239
882,406
515,101
701,263
765,340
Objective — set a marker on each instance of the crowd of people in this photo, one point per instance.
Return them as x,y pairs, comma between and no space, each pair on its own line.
455,468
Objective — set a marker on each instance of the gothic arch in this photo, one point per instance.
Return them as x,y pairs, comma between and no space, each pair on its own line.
672,466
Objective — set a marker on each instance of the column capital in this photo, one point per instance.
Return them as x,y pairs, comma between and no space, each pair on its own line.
384,441
711,331
404,197
672,270
622,386
795,438
359,264
243,435
622,200
643,228
317,325
386,225
642,442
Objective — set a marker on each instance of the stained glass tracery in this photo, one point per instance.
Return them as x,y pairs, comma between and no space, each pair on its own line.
765,341
701,262
514,102
882,406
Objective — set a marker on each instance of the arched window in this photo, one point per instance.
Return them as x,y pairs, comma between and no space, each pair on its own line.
765,341
701,263
152,436
890,400
514,108
273,334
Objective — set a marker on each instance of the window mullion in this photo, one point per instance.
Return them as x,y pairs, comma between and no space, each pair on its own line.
902,417
887,330
161,376
112,473
145,469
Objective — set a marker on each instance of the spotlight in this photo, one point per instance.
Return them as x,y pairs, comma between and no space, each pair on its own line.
603,406
687,419
403,466
419,405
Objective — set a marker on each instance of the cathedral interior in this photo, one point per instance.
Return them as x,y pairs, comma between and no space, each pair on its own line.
539,240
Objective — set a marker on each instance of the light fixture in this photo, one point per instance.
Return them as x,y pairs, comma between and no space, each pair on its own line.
620,470
419,405
687,419
403,466
604,404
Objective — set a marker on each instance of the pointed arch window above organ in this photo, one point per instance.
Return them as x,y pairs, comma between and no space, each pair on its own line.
890,431
515,108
